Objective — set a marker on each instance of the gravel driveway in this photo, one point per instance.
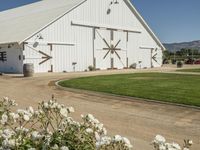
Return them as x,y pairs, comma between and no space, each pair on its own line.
138,120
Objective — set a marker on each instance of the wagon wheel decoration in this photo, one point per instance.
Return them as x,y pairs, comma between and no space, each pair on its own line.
111,48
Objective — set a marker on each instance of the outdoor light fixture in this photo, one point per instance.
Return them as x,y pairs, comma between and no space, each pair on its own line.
35,44
38,37
113,2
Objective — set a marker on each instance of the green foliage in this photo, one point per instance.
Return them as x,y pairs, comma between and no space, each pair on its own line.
91,68
179,64
133,66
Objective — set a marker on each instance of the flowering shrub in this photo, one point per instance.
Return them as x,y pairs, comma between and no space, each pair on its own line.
160,144
50,127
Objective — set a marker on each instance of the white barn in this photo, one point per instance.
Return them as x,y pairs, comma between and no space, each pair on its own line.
70,35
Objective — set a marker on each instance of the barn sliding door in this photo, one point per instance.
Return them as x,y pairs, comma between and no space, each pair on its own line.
40,56
110,49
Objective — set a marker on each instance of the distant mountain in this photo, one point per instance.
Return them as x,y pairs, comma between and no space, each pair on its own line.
177,46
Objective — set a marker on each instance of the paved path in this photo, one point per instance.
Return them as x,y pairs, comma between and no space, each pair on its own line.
140,121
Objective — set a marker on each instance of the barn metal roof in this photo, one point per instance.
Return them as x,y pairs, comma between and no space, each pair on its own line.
19,23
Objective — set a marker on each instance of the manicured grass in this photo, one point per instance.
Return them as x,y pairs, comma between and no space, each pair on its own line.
175,88
190,70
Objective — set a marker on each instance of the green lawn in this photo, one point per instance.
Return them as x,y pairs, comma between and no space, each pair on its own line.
190,70
176,88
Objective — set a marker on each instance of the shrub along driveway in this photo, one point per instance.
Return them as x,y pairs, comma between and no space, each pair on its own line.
140,121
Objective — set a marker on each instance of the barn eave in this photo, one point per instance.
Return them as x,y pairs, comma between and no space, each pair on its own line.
143,22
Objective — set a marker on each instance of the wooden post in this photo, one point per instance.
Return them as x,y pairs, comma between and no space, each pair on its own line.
112,63
94,61
127,63
51,49
151,58
93,47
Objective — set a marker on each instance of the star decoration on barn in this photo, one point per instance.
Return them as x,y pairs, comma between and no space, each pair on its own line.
112,48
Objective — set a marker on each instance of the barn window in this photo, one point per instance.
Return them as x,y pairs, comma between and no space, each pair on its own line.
3,56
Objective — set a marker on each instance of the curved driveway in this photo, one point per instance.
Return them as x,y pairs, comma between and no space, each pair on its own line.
138,120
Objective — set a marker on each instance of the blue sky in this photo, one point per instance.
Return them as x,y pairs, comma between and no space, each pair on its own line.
171,20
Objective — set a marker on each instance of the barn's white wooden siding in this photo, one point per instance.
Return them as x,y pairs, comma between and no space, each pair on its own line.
95,12
14,59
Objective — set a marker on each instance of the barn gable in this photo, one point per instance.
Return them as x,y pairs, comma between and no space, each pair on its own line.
105,6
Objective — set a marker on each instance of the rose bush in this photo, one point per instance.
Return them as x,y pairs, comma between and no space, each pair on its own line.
160,144
50,127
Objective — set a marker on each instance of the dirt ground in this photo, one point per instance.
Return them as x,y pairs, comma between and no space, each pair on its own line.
138,120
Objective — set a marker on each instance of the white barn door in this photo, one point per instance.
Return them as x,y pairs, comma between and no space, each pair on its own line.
40,56
144,60
110,49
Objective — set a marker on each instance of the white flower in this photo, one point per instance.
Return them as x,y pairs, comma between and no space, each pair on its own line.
176,146
82,116
31,149
92,119
35,135
31,110
7,134
59,106
64,112
22,129
162,147
4,119
159,139
26,117
7,144
90,116
173,146
71,109
97,136
54,105
55,147
105,140
186,149
14,116
127,142
11,143
118,138
89,130
6,99
104,131
46,105
13,103
64,148
190,142
100,126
